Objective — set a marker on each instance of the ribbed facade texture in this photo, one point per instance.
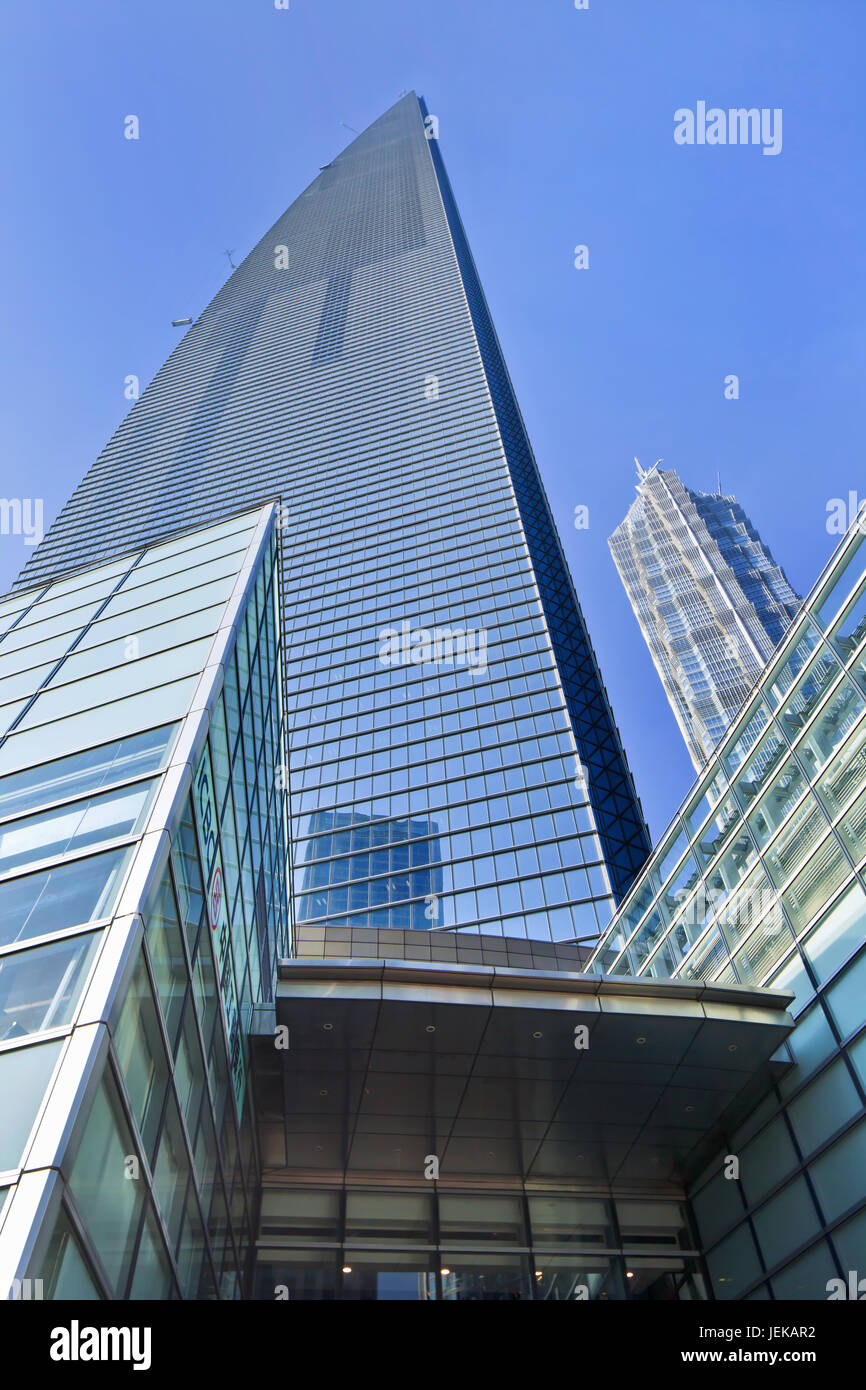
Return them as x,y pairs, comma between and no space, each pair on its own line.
761,880
711,601
454,760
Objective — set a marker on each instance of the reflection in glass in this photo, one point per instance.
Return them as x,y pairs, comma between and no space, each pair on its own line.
67,895
40,988
68,828
119,761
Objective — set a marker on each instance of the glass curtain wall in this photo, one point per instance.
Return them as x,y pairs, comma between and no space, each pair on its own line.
128,974
760,880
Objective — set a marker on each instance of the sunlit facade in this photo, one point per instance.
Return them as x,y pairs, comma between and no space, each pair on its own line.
760,881
349,368
143,909
312,814
711,601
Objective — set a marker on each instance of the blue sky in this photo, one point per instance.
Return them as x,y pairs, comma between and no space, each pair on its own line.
557,129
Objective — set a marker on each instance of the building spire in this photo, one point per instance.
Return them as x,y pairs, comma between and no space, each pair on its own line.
644,473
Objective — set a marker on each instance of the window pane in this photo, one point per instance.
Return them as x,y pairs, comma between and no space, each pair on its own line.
108,1201
788,1220
576,1220
825,871
398,1275
831,727
141,1054
717,1207
121,682
841,584
485,1276
167,958
850,1242
40,988
241,527
653,1223
67,895
171,1171
152,1278
563,1277
838,1174
787,788
734,1264
845,997
481,1218
849,631
64,1272
844,775
67,828
300,1215
784,677
807,1277
823,1107
83,772
112,721
389,1216
838,935
811,1041
766,1159
24,1075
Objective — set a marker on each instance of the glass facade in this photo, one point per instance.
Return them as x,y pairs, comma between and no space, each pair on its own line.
356,1243
454,763
302,650
760,880
143,899
711,601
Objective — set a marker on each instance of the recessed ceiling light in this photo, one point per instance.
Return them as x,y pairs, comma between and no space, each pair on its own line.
431,1028
689,1109
733,1047
445,1271
538,1274
347,1269
323,1093
640,1041
328,1027
538,1035
629,1274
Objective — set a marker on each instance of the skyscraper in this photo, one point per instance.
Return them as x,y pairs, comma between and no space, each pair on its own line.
711,601
350,369
310,799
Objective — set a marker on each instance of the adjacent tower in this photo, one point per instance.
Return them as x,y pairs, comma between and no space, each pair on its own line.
711,601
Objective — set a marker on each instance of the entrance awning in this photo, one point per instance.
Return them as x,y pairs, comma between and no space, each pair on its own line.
505,1073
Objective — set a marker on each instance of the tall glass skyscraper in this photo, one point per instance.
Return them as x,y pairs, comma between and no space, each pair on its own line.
350,369
312,811
711,601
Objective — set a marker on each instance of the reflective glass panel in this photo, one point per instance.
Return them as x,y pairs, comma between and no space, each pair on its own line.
67,895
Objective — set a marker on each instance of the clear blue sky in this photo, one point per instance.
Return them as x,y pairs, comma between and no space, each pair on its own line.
557,128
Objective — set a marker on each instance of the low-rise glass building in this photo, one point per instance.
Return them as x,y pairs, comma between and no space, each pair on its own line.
142,912
760,880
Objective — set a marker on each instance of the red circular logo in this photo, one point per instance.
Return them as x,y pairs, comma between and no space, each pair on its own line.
216,898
